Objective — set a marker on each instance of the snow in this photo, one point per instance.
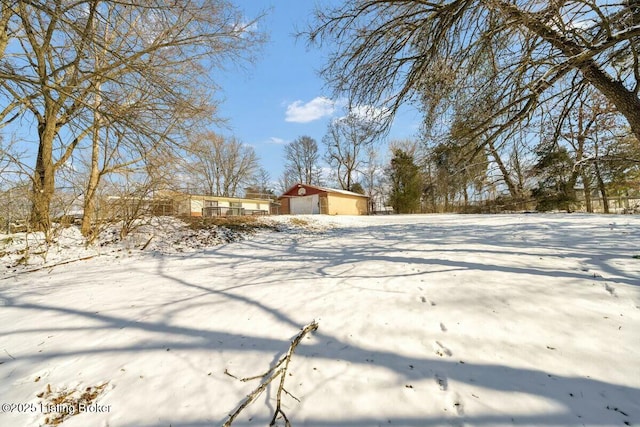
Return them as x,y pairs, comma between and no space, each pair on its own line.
424,320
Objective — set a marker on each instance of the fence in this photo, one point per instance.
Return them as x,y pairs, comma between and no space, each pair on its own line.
215,211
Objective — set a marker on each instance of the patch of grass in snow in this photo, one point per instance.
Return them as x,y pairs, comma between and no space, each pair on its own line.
58,405
299,222
636,257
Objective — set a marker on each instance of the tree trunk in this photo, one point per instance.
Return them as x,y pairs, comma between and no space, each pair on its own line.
586,183
44,179
89,208
603,189
94,174
91,189
569,188
627,103
513,190
5,15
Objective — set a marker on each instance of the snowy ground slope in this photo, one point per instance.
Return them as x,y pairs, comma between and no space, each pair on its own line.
424,320
22,252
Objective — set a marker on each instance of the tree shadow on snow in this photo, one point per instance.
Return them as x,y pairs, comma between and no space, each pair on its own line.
582,400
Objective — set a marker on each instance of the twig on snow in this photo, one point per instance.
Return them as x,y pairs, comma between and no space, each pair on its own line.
50,266
279,368
146,244
286,391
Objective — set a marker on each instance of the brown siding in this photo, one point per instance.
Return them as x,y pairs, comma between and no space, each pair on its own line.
284,206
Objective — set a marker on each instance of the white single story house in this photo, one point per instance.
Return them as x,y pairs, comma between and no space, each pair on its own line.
211,206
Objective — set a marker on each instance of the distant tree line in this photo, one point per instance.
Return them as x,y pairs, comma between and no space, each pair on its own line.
560,165
524,105
520,100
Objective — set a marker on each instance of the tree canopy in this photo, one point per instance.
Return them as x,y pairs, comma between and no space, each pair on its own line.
512,54
138,68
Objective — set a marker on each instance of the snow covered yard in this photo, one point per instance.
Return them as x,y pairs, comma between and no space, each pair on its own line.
425,320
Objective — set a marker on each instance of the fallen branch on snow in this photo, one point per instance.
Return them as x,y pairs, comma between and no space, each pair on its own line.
44,267
279,368
146,244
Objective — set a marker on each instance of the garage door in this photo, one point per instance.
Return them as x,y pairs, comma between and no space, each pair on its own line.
304,205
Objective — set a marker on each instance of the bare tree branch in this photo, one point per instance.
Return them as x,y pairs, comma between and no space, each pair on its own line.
128,53
279,369
390,52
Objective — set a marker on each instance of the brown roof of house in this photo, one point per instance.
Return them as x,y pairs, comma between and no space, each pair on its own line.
325,189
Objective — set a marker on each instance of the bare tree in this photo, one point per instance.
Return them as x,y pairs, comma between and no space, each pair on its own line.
133,117
6,159
260,186
373,178
286,180
126,195
14,194
68,59
221,166
346,142
390,52
301,157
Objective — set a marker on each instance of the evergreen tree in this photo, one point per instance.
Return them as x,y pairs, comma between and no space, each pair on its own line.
356,187
406,183
554,171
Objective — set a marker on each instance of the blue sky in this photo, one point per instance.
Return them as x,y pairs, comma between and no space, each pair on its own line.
276,99
281,96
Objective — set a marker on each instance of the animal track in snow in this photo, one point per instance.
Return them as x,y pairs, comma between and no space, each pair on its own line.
442,382
610,289
441,350
443,328
425,300
459,407
455,401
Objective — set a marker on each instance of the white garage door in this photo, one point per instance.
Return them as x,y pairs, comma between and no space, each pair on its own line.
304,205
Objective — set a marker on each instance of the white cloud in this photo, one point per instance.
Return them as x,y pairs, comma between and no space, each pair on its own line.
364,112
317,108
369,112
246,28
276,140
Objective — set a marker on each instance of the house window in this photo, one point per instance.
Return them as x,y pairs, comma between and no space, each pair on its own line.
235,208
211,208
